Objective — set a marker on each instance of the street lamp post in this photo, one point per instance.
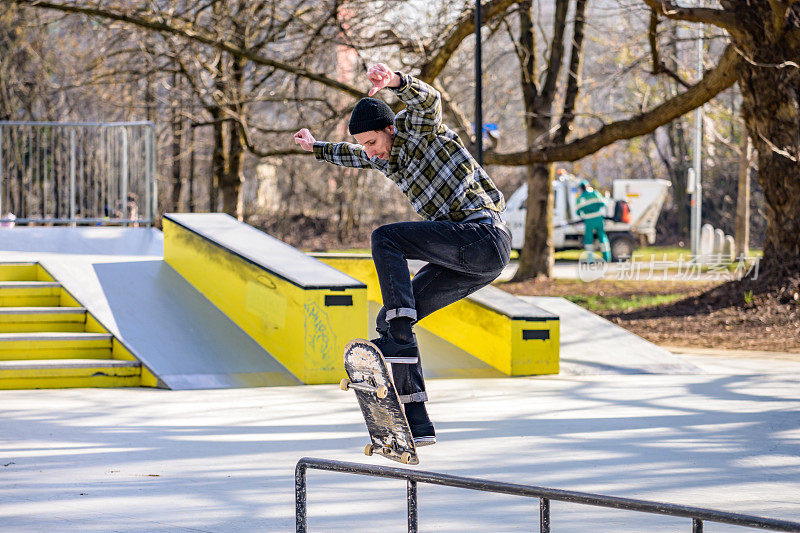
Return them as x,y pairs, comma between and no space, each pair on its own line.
697,189
478,86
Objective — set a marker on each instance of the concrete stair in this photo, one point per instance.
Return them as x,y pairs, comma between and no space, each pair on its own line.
47,340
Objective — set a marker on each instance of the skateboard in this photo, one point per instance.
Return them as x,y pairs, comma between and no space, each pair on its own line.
369,378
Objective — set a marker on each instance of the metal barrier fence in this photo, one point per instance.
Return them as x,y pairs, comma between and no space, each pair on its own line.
77,173
698,515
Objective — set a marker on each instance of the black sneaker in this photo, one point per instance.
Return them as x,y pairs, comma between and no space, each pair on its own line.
421,426
396,352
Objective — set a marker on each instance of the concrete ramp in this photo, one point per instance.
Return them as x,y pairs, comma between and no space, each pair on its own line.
590,344
119,275
82,241
188,342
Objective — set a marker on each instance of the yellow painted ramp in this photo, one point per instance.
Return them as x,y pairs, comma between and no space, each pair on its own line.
297,308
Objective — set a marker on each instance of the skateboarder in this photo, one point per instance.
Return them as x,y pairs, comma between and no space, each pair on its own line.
462,236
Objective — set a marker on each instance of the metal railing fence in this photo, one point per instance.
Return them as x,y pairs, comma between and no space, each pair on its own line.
77,173
698,515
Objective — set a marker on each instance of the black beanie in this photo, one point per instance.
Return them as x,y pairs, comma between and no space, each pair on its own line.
370,114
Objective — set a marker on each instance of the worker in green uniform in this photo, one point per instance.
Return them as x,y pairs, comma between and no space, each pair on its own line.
591,208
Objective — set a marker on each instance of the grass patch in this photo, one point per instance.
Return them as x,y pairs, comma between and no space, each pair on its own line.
611,296
647,253
644,253
354,251
598,304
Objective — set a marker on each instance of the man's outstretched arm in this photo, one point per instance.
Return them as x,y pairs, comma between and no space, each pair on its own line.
424,103
342,154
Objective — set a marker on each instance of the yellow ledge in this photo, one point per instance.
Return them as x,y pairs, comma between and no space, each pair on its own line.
304,327
521,340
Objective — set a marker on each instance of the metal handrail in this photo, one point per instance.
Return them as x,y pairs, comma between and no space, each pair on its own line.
545,495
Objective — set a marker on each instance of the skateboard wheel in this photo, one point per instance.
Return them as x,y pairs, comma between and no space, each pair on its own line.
405,458
344,384
368,449
382,392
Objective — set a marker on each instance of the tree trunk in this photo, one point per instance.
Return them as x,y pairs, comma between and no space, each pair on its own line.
771,109
219,158
233,177
345,198
231,185
678,158
678,170
192,168
743,199
536,258
177,138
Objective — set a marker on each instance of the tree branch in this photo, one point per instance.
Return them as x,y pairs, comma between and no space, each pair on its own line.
527,55
778,22
464,27
659,67
556,58
715,81
793,39
716,17
652,38
573,75
188,31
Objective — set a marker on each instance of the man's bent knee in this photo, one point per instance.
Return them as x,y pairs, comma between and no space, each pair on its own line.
380,236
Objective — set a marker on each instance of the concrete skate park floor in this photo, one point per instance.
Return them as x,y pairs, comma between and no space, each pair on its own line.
726,437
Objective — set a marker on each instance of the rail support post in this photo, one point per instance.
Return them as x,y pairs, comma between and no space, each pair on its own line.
544,515
412,506
300,497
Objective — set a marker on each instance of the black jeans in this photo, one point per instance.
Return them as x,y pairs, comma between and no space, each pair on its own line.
462,257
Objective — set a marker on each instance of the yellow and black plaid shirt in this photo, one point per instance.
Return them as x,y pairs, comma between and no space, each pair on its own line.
428,161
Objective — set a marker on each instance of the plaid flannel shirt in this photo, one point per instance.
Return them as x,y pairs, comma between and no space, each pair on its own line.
428,161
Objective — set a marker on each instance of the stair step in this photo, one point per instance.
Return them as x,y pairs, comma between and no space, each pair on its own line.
64,373
53,336
30,293
19,271
42,311
54,345
30,319
67,364
43,342
26,284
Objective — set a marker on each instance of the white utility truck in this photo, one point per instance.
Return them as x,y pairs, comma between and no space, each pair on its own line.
645,198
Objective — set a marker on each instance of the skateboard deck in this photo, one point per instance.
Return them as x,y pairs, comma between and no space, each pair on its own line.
369,377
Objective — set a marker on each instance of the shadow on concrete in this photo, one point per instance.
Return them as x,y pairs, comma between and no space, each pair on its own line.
224,460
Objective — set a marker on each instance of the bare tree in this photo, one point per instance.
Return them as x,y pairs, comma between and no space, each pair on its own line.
765,37
763,44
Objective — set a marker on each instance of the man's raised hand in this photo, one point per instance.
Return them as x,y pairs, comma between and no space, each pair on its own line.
382,76
305,140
